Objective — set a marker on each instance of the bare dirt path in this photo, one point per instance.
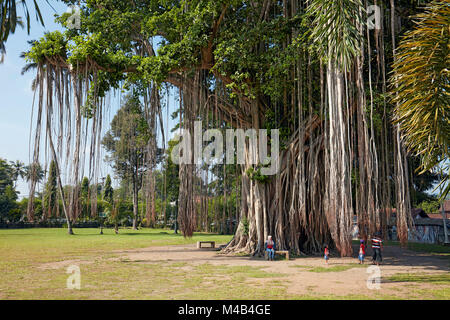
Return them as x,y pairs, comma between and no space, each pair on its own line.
310,275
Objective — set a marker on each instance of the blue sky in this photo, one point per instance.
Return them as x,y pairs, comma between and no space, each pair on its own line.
15,90
16,96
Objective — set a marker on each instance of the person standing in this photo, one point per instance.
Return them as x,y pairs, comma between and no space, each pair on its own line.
362,252
326,254
377,244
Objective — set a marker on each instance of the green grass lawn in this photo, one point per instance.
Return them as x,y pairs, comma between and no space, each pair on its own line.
45,245
420,278
338,268
104,275
107,274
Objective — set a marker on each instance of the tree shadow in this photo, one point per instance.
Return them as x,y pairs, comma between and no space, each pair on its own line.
397,256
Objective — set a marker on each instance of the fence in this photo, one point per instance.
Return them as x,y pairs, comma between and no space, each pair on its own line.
47,224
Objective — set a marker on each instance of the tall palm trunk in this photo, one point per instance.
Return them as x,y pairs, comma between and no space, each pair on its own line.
338,208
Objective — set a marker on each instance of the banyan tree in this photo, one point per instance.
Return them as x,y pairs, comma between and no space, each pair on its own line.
316,70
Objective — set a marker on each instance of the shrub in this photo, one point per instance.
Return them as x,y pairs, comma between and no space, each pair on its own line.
430,206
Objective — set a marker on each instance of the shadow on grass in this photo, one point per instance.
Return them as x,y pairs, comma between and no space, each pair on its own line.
423,247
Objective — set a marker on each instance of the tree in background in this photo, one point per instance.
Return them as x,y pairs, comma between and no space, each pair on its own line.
18,170
85,201
171,172
430,206
127,142
108,196
108,191
51,193
8,195
34,171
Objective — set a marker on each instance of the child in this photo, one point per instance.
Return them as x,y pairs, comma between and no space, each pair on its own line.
362,252
327,254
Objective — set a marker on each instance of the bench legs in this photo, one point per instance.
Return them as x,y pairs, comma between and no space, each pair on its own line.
199,244
286,254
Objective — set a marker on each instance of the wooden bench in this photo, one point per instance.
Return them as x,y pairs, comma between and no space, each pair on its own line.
212,243
285,252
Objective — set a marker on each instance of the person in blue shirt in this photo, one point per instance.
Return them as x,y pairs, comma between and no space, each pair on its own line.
270,247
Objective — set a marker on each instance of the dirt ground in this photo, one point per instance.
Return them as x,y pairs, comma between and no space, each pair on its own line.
308,276
303,280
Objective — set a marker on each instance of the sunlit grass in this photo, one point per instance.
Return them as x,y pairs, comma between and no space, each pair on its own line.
330,268
107,274
421,278
49,244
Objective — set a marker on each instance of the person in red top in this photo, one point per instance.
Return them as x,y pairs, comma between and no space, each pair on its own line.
362,252
326,254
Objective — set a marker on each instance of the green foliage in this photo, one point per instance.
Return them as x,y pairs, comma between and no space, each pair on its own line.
108,191
18,169
171,172
335,33
51,191
38,208
6,175
256,175
110,30
121,214
127,140
420,87
34,171
245,226
85,188
53,45
252,55
8,194
430,206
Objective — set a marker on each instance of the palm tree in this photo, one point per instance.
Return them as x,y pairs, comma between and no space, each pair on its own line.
9,20
421,87
18,170
31,65
38,172
335,33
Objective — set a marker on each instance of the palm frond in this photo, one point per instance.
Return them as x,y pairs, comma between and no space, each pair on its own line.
9,20
421,86
335,29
